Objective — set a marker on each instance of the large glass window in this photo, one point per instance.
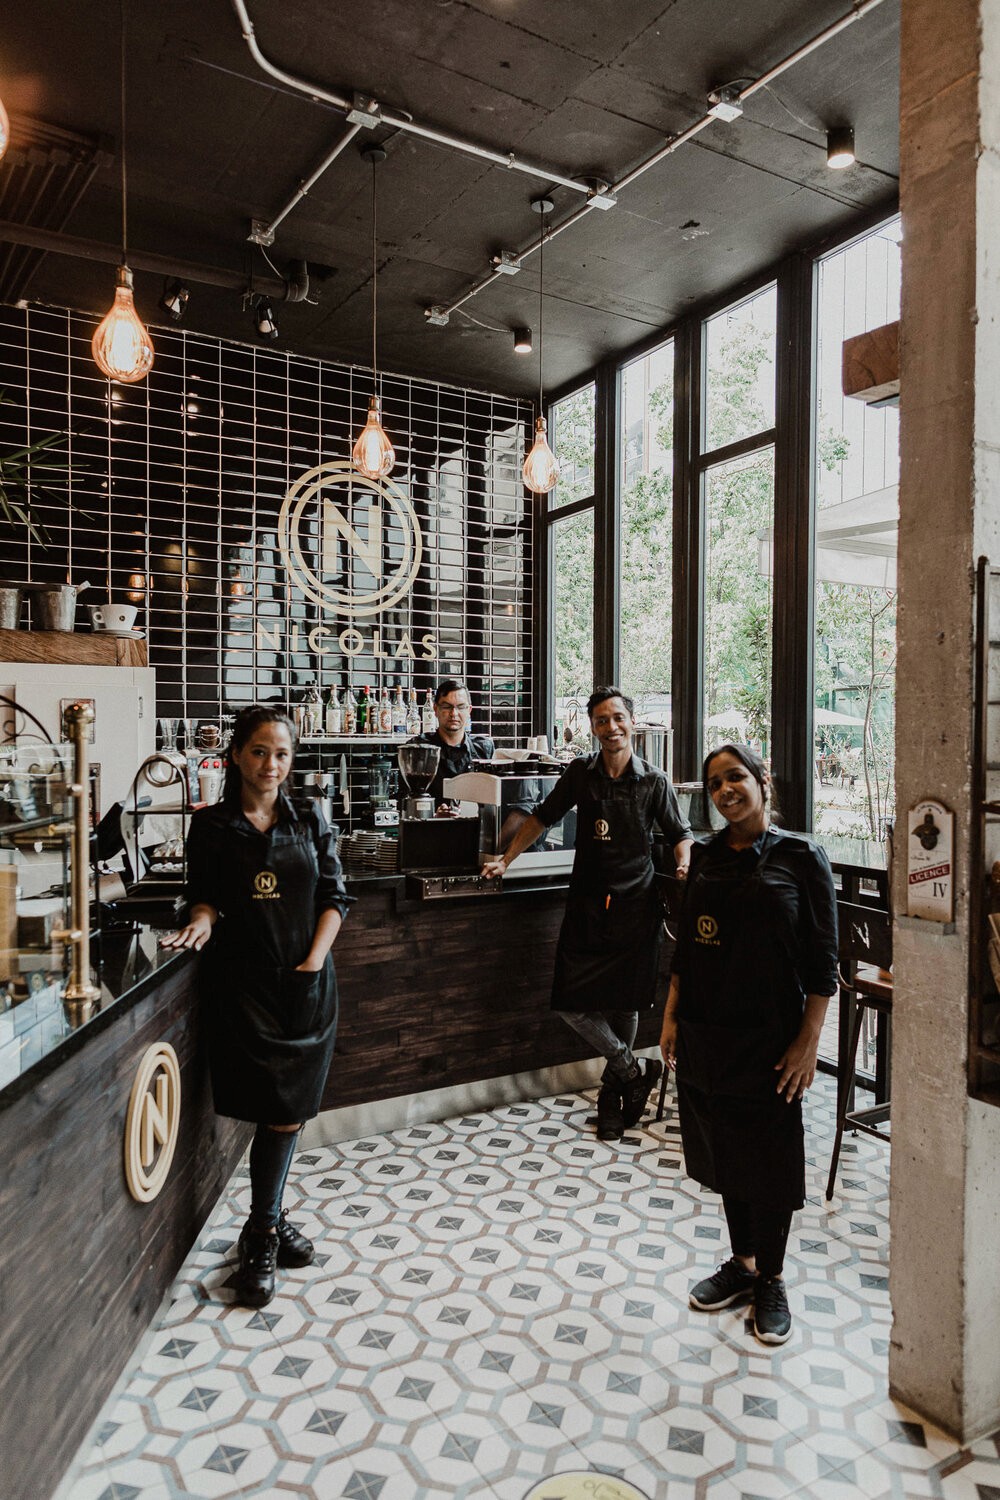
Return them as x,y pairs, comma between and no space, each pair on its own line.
739,507
739,370
857,477
646,469
572,539
571,438
738,496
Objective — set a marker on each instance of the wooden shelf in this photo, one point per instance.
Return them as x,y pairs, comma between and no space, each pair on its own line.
69,647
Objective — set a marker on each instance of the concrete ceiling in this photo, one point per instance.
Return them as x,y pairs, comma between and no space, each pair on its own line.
585,87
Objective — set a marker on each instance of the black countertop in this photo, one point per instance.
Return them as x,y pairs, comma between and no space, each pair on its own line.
37,1035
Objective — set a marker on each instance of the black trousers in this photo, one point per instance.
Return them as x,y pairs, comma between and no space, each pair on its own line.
761,1232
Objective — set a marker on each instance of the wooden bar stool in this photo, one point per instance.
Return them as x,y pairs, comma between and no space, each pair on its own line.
865,953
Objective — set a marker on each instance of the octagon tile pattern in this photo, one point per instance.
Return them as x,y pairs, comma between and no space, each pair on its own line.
501,1298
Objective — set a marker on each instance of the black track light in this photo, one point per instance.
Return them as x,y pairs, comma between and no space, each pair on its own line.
522,340
175,299
267,328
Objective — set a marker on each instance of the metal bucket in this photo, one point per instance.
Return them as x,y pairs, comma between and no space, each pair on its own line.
10,608
651,743
54,608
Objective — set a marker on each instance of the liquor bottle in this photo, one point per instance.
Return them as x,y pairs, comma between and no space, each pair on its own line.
312,714
412,714
398,711
384,712
334,712
350,718
364,708
428,721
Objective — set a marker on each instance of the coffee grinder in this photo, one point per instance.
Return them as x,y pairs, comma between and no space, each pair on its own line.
418,766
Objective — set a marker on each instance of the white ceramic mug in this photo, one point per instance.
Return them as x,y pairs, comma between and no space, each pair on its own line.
113,616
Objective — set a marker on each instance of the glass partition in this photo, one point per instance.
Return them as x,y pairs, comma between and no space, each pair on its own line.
739,370
572,542
571,438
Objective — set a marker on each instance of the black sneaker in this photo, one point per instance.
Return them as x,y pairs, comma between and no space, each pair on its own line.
610,1122
253,1281
293,1247
638,1089
772,1322
730,1282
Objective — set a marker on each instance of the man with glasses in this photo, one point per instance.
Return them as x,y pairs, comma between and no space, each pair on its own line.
458,747
607,961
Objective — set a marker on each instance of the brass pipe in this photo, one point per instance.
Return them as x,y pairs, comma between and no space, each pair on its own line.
80,991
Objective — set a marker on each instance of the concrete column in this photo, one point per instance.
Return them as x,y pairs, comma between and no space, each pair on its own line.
945,1216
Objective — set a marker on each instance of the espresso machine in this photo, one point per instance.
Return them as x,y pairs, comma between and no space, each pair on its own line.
428,843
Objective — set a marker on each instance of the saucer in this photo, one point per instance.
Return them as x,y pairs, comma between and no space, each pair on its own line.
122,635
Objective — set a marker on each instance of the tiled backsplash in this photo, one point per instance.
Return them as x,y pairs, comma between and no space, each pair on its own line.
177,489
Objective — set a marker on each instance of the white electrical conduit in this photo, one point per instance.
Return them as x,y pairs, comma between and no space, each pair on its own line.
267,232
859,9
507,160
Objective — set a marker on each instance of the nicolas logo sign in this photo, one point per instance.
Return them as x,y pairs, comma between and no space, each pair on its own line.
351,544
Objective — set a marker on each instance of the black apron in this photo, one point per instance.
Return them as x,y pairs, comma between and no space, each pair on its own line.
740,1007
271,1027
609,945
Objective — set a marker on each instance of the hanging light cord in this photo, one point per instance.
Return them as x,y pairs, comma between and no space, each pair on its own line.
541,283
374,287
124,179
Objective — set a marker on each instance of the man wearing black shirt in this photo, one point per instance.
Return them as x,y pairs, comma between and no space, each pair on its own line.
607,959
459,748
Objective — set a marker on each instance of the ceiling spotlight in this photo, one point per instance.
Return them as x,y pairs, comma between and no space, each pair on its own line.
840,147
267,328
522,340
175,299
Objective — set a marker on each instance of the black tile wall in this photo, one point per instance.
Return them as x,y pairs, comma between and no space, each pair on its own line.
176,489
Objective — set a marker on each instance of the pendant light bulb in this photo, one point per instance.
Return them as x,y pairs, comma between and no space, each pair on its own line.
121,345
4,131
373,455
541,467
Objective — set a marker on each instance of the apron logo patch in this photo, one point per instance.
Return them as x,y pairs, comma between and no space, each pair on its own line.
602,830
265,886
708,931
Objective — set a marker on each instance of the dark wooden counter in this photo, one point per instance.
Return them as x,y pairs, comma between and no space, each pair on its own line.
437,993
83,1266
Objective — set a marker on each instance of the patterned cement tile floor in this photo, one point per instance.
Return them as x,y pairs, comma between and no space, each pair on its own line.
501,1298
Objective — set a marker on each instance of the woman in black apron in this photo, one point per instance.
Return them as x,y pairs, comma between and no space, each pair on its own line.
265,883
755,965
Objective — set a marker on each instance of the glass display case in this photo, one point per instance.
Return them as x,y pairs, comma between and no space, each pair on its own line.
36,838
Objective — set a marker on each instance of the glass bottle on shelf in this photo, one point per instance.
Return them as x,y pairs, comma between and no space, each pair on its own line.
427,719
384,712
312,717
412,713
398,711
334,712
350,712
364,712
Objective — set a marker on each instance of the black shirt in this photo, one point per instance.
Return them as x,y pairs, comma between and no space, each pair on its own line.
585,784
455,759
784,931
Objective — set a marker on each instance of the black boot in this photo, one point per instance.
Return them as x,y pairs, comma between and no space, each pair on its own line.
638,1089
253,1281
293,1247
610,1123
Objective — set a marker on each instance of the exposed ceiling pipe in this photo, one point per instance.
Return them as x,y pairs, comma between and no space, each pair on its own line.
374,114
438,315
293,289
263,234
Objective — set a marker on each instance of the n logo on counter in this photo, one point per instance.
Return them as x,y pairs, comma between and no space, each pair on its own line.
351,544
152,1123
